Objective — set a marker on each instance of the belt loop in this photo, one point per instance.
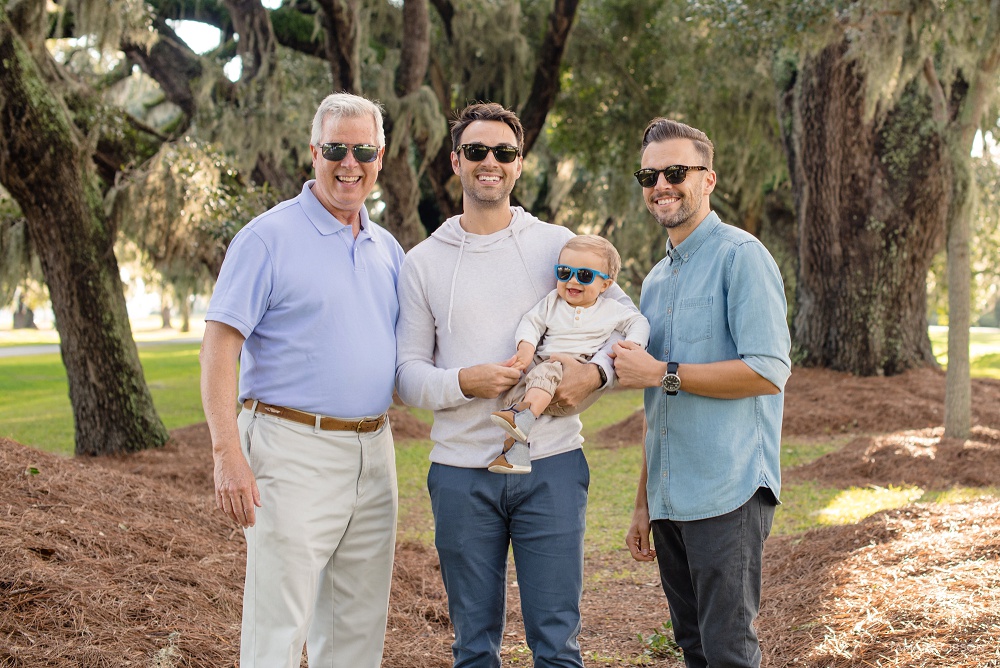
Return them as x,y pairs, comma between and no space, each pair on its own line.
316,426
253,409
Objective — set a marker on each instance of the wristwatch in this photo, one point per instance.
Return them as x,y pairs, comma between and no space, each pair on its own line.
603,374
671,381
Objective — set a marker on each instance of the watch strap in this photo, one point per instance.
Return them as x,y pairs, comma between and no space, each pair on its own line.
603,374
671,381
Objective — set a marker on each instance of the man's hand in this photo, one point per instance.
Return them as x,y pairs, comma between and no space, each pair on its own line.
637,538
578,382
635,367
489,381
236,491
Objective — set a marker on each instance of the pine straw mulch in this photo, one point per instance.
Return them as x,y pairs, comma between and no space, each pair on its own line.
917,586
822,403
125,561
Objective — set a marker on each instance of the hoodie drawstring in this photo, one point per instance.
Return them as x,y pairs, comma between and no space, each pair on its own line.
454,277
524,263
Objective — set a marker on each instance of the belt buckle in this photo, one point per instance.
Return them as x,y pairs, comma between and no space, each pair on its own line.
362,421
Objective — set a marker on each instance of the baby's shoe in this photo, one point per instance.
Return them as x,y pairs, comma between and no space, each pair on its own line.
515,458
516,420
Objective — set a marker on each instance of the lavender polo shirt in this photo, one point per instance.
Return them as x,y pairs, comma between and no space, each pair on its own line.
317,308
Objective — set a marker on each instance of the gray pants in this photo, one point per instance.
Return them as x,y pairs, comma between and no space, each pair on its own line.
710,571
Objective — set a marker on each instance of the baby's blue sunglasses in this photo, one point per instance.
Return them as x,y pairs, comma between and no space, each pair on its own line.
584,276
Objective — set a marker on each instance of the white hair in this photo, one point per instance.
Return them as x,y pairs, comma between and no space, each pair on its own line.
346,105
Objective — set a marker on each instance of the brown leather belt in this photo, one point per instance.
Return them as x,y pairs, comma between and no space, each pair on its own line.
362,426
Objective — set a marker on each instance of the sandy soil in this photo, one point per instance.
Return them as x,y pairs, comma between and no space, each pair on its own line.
125,562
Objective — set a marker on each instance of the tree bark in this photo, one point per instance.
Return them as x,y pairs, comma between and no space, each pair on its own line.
958,378
872,199
45,167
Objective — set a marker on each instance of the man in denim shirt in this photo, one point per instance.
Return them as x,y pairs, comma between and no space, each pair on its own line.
716,365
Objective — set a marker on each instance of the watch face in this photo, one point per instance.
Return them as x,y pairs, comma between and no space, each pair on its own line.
671,382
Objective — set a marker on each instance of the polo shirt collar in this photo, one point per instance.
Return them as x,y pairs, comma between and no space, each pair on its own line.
324,221
688,247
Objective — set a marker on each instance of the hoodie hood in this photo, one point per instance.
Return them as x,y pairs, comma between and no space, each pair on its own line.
452,234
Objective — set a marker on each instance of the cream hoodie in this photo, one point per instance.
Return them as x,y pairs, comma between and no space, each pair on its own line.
461,296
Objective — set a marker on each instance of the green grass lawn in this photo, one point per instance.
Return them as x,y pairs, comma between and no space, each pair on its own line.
984,350
36,411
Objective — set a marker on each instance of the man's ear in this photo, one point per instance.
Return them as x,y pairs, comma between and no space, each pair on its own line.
454,162
710,179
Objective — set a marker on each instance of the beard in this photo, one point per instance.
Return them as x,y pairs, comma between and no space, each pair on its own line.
487,197
689,206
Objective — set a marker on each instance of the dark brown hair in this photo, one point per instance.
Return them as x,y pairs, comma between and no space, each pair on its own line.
662,129
485,111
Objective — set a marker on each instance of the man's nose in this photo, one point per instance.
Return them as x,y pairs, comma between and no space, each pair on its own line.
349,159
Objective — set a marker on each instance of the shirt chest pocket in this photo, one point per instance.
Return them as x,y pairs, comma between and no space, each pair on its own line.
693,321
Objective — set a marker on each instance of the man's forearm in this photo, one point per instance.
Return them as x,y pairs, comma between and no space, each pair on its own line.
730,379
220,384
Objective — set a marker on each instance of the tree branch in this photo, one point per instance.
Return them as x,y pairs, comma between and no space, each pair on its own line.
939,106
447,13
982,87
171,63
256,46
546,84
340,18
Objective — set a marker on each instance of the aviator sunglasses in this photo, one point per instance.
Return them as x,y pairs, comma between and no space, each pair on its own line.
675,174
584,276
337,151
478,152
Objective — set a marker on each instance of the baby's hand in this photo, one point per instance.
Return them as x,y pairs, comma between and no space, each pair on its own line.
521,363
525,353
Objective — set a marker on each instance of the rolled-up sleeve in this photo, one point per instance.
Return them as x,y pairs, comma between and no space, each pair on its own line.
758,311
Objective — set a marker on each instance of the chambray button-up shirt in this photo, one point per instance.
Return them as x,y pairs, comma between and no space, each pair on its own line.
717,296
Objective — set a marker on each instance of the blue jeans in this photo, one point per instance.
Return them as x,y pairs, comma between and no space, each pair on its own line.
710,571
478,515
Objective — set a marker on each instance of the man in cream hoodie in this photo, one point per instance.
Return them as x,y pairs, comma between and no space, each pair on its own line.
462,293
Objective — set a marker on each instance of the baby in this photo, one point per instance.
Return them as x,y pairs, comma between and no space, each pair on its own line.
574,319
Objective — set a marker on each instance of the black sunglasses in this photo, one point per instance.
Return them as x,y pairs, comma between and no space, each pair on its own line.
584,275
337,151
478,152
675,174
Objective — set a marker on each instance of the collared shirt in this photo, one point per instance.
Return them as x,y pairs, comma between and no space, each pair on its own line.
317,307
717,296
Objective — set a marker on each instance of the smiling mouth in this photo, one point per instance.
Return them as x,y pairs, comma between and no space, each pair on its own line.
664,200
349,180
488,178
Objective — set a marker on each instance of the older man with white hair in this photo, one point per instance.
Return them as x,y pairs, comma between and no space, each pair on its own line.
306,303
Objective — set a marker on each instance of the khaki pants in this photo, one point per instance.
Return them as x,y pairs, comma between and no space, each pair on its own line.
319,559
546,376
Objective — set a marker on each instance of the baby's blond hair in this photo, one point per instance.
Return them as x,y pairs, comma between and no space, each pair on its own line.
601,246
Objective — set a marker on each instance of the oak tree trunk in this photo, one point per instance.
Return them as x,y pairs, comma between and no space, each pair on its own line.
45,167
872,197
